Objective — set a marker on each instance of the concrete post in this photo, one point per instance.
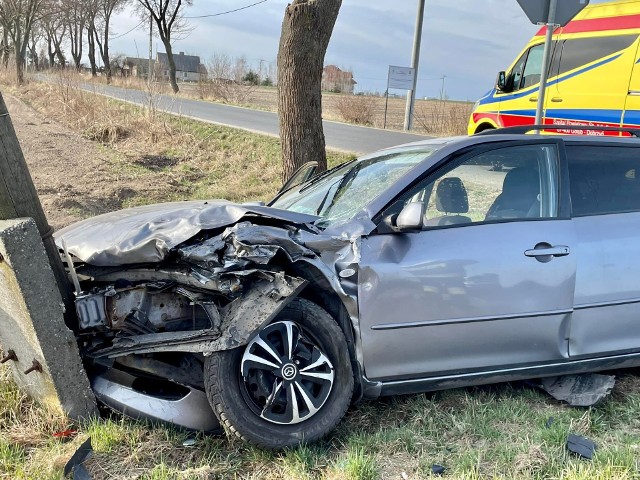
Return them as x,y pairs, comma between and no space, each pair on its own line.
19,199
40,350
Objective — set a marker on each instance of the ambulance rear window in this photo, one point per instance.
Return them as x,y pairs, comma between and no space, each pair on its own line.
582,51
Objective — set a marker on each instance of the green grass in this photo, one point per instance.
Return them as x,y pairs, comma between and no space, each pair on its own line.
497,431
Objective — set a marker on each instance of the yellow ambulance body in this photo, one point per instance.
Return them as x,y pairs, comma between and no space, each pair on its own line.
594,75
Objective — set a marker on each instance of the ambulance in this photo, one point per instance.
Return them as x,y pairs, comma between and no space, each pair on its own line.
594,75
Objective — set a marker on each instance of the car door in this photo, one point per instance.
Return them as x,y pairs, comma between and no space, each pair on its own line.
488,282
605,197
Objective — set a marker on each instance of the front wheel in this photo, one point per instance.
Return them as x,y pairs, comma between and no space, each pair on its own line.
291,383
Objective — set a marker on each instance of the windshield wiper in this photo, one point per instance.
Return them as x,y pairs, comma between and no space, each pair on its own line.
322,175
324,199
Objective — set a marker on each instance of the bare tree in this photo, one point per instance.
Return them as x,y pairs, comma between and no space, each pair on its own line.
18,17
5,45
36,35
167,16
101,27
75,16
93,7
306,30
55,31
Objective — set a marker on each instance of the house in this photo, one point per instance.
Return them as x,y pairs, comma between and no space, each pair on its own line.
336,80
137,67
188,67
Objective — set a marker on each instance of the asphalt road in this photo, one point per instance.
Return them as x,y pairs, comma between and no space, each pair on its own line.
339,136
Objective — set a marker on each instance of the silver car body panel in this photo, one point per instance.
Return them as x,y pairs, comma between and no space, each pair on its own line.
192,411
453,299
146,234
607,298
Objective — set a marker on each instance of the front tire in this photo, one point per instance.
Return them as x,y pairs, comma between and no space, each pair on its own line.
291,383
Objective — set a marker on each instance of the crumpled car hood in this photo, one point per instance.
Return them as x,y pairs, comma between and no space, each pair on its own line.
146,234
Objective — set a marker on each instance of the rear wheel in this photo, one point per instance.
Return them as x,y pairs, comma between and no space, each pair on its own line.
484,127
291,383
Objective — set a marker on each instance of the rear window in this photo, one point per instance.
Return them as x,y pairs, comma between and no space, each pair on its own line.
582,51
604,180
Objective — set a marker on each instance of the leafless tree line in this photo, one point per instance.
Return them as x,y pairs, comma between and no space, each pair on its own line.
42,31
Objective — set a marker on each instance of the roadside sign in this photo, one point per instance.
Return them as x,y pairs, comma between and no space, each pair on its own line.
538,10
401,78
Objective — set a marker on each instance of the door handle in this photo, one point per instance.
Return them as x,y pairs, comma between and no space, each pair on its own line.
556,99
533,99
546,250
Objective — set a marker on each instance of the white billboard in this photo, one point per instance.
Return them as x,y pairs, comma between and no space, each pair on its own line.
401,78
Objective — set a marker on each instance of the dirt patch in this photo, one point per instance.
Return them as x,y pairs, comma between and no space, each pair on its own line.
75,177
156,162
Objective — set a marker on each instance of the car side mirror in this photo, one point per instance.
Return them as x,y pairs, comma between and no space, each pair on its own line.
501,82
411,217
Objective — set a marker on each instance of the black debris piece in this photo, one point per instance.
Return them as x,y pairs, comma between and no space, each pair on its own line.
437,469
80,472
75,463
549,422
581,446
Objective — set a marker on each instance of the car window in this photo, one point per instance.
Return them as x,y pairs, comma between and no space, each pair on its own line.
603,180
516,73
582,51
512,183
533,68
339,194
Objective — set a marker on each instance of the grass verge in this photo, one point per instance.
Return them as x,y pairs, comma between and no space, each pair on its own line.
501,431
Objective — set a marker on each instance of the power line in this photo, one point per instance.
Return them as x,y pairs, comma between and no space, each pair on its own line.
229,11
128,32
198,16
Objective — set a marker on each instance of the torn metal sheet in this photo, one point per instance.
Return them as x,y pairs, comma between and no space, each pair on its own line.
244,316
146,234
579,390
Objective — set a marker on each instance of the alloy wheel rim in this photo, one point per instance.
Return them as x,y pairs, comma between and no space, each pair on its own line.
286,378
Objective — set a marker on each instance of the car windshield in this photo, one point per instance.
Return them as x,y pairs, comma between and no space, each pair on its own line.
337,195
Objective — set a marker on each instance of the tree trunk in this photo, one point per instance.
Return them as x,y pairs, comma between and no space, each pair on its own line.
76,47
103,46
91,53
19,68
172,67
6,51
52,53
306,30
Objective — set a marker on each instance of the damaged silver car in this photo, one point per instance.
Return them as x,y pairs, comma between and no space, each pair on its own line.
440,264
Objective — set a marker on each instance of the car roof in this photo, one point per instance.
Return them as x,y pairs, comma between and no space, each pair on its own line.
462,141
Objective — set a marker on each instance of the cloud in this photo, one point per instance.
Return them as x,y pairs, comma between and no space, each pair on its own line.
469,41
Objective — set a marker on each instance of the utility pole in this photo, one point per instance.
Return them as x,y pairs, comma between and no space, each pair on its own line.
19,199
443,92
149,74
545,60
415,60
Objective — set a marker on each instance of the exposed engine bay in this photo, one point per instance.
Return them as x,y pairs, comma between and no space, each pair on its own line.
145,327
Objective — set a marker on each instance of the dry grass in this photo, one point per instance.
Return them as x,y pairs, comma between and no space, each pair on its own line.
431,117
358,109
442,118
162,157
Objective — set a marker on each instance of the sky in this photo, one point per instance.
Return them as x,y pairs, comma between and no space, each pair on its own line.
468,41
